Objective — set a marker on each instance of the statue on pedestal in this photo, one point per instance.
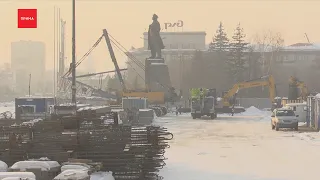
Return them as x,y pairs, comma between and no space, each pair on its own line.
155,43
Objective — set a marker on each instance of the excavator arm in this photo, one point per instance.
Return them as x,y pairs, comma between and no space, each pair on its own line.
263,81
301,85
303,89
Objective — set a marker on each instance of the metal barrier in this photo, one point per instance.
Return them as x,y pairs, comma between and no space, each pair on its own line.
317,113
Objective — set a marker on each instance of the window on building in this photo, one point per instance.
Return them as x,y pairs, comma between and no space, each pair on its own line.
174,57
28,109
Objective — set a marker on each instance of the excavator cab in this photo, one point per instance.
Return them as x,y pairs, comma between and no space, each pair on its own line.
277,103
294,86
232,100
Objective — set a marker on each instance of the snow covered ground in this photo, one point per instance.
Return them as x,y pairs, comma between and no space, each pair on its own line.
8,106
242,147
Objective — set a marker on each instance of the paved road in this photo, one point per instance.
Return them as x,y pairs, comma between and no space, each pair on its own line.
238,148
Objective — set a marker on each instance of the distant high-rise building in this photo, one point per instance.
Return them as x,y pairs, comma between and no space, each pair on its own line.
28,57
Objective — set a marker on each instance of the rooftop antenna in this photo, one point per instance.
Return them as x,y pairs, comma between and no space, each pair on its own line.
307,37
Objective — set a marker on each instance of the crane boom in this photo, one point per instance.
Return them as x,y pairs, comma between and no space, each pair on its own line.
105,72
114,60
307,37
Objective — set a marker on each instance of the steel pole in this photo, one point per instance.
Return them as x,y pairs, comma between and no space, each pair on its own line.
74,52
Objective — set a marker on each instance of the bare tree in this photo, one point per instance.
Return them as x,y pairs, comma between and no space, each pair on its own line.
271,42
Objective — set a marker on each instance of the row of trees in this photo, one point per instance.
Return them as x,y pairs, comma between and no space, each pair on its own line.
231,51
233,59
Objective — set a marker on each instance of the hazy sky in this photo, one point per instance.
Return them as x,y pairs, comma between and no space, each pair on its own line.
127,20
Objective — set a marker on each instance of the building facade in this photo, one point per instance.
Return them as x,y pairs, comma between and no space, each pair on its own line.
301,60
28,57
179,49
299,54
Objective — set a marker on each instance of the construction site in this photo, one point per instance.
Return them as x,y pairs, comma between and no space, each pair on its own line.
177,114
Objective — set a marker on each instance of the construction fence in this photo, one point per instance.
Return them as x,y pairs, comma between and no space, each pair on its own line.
313,112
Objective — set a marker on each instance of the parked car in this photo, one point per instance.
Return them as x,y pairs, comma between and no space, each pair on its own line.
284,118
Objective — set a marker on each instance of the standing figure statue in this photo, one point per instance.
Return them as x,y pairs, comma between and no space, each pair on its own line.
155,43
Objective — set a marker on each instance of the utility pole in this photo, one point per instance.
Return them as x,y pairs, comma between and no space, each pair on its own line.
62,49
73,87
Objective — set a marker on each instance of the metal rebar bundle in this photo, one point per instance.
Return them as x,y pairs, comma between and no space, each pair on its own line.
130,152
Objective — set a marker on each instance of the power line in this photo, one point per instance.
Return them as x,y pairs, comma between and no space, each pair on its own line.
85,55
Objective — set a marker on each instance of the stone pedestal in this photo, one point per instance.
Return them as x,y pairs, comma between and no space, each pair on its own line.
157,76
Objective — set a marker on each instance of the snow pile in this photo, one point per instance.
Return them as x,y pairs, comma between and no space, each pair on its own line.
102,176
17,175
72,175
75,167
17,178
253,111
9,106
31,122
3,167
318,95
43,165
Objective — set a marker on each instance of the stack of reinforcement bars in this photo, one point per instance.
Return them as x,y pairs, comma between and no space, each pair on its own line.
129,152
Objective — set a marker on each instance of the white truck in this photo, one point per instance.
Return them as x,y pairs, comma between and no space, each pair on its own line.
299,109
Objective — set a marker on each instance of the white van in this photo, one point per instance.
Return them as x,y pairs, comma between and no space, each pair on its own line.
23,175
299,109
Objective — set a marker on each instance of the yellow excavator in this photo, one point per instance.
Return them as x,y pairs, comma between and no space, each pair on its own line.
229,97
296,84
